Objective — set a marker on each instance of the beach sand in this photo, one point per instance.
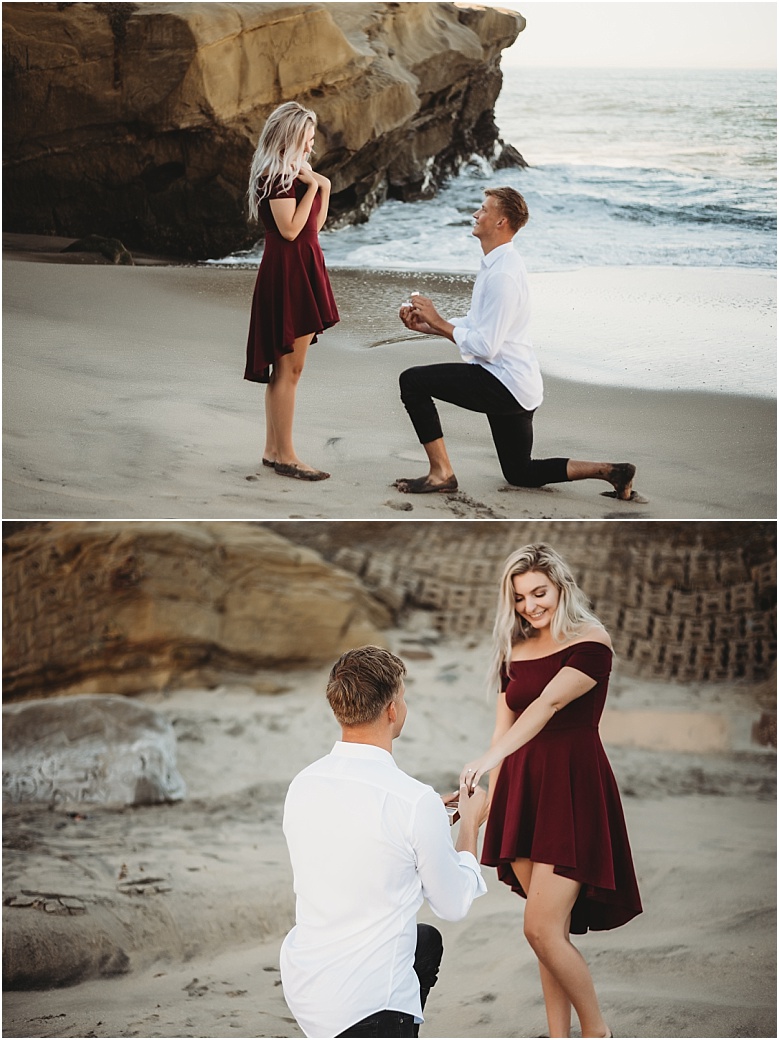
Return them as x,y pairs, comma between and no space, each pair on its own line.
202,940
124,397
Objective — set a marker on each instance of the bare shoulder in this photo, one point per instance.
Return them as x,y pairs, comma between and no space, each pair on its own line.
594,633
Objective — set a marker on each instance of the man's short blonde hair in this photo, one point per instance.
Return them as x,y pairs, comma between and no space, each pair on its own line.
362,683
512,206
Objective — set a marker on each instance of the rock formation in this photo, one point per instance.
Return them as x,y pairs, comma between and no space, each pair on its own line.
138,121
76,751
123,608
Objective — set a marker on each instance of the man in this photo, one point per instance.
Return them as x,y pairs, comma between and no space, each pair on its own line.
501,376
368,845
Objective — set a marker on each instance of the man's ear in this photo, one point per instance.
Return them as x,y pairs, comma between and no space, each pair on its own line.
392,711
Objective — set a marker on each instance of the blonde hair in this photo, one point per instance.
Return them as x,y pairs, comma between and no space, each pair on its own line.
512,206
571,614
279,154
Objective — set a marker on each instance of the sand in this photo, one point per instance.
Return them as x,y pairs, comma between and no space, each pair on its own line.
124,397
202,942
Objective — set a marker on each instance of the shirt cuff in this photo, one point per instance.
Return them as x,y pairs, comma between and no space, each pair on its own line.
459,332
469,860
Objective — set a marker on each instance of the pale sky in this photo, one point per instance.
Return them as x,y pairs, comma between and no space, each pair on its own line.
655,34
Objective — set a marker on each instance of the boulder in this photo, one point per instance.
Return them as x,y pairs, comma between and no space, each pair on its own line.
111,607
139,121
77,751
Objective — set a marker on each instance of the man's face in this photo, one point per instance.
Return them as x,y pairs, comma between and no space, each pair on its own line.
401,710
486,218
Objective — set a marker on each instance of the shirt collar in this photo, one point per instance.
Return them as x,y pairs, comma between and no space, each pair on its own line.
369,752
496,253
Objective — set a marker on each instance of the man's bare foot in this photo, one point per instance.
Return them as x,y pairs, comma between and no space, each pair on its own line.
425,485
620,477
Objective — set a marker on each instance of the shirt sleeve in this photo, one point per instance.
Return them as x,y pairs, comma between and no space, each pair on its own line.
495,320
451,880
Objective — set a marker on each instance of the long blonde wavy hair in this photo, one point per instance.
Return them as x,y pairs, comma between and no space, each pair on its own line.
279,154
571,615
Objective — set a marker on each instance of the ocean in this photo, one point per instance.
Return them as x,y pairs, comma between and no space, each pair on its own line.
648,167
627,166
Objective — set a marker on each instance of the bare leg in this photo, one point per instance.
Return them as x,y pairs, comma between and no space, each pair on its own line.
550,899
618,474
558,1006
280,396
440,476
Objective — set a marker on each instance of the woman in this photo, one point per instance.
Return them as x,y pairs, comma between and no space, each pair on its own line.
555,831
293,301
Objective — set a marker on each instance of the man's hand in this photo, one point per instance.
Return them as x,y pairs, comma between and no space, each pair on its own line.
411,321
423,309
473,806
425,318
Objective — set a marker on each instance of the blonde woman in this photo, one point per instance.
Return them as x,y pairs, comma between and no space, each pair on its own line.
293,300
556,830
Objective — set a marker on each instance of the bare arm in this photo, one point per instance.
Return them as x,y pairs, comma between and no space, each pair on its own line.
324,192
567,686
473,813
504,720
291,216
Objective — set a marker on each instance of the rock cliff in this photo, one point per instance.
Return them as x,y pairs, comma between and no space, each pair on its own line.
139,121
122,608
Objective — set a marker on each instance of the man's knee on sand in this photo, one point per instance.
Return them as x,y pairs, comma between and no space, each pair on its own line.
410,380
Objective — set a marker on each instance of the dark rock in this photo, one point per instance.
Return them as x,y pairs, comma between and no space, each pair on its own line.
139,121
111,248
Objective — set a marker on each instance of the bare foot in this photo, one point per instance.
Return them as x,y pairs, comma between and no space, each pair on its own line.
425,485
301,472
620,476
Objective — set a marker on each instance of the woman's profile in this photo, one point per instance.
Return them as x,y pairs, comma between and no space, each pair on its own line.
293,300
556,830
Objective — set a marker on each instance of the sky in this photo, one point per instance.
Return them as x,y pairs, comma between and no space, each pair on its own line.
655,34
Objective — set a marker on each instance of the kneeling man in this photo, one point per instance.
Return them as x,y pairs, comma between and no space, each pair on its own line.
368,845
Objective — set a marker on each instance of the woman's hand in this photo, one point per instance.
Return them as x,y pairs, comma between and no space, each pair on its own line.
473,771
307,175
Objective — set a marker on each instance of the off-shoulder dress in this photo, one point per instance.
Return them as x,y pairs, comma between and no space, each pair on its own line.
556,799
292,294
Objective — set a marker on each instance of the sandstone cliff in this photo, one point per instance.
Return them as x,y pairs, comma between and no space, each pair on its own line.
139,120
122,608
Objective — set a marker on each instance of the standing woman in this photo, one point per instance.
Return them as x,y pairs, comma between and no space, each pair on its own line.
293,301
556,830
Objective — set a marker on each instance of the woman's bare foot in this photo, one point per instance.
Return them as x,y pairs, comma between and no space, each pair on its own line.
300,471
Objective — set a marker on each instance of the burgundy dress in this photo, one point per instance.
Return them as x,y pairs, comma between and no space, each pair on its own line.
292,294
556,800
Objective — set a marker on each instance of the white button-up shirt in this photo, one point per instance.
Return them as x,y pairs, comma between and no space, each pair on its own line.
495,333
368,845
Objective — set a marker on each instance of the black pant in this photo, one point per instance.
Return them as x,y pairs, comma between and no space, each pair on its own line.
474,388
430,950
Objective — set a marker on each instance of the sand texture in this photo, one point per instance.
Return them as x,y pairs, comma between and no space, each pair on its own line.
124,397
187,903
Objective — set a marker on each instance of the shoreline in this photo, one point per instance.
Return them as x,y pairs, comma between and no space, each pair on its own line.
124,397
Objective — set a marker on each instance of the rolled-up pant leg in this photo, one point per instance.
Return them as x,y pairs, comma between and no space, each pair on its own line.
473,387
